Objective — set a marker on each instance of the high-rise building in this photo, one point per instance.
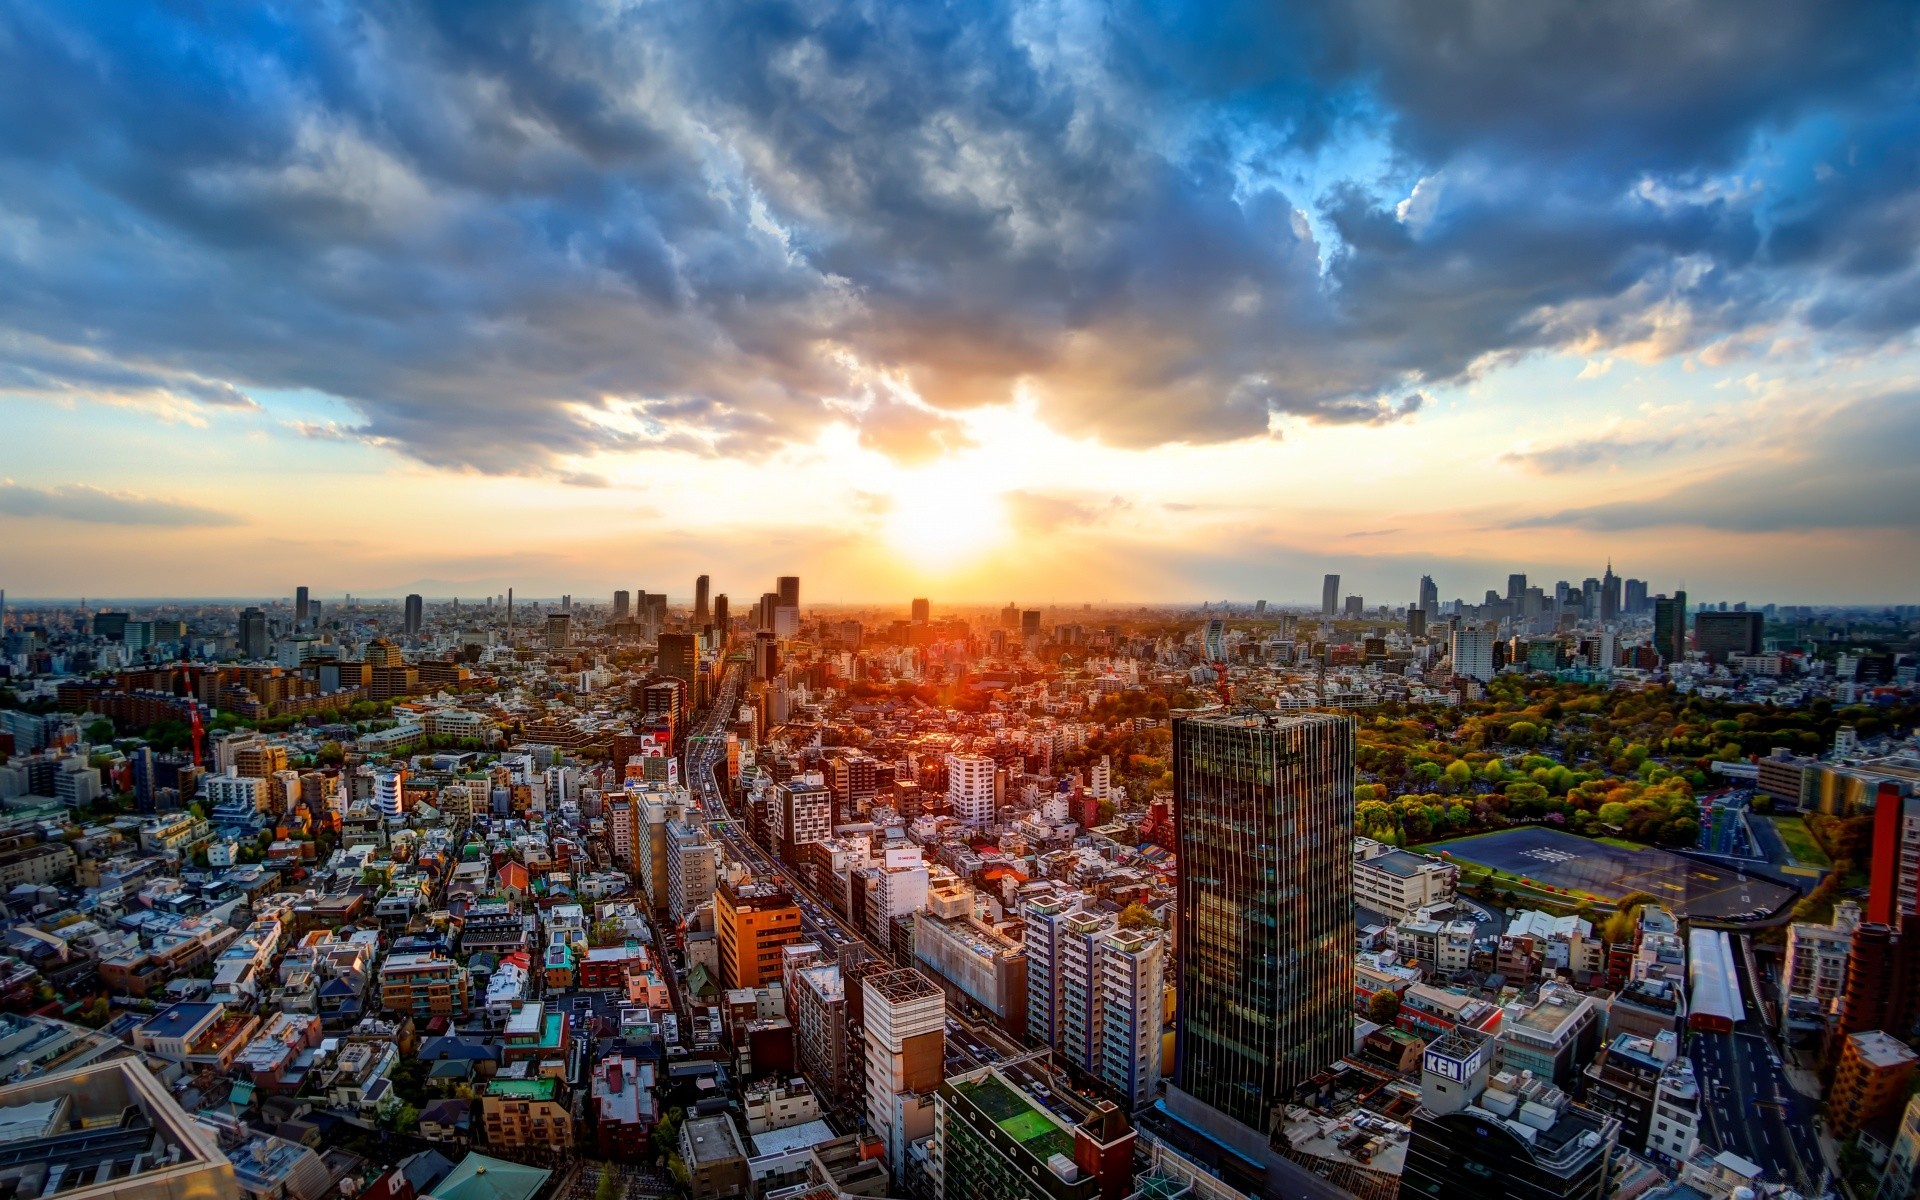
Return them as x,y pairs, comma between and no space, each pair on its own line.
720,615
1670,627
1095,992
559,630
971,784
1010,616
1429,596
1473,654
678,657
1001,1134
1264,826
1029,623
904,1018
701,612
922,611
1416,622
300,598
414,615
253,633
766,655
788,588
1635,603
1718,636
1610,595
622,605
1330,595
1355,605
1516,588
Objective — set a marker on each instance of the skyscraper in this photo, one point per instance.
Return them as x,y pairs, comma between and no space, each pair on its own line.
1670,627
1721,635
622,605
415,612
1429,596
922,611
1635,602
701,613
720,614
1516,588
1609,595
300,598
1330,595
253,633
789,588
1264,824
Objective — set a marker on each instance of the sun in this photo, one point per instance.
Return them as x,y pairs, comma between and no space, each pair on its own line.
939,521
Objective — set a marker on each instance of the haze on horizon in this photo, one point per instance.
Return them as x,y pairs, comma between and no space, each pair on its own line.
1048,301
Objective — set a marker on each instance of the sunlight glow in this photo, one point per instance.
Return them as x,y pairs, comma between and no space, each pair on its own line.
941,522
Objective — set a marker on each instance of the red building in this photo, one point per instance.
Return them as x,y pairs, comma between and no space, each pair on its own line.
626,1107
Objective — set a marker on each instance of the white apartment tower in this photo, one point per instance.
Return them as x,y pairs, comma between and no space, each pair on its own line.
970,788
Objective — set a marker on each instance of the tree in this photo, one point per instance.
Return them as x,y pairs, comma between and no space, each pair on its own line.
1383,1007
100,732
609,1187
1137,916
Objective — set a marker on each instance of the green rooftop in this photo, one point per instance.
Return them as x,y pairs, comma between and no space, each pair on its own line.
522,1089
1036,1132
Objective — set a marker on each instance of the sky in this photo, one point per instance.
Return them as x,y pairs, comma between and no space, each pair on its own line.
1050,301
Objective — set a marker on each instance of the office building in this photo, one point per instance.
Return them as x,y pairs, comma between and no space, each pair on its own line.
1029,624
787,587
253,633
1429,597
1399,883
1634,604
678,657
1551,1036
1670,627
1484,1136
1609,595
1264,826
972,784
622,605
752,922
1629,1079
559,630
300,604
1472,653
702,613
1516,589
1416,622
721,615
922,611
414,615
1330,595
1720,636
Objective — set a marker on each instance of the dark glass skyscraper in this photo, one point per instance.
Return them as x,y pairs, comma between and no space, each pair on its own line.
701,613
1264,822
1670,627
412,618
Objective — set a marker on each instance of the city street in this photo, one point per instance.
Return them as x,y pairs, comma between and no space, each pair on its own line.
1746,1103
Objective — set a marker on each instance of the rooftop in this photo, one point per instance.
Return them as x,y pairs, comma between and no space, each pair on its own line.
1030,1126
1400,863
1881,1050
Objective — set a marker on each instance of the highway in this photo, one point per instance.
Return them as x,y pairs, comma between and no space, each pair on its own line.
1745,1101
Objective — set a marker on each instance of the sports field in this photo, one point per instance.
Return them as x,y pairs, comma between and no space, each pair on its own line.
1563,860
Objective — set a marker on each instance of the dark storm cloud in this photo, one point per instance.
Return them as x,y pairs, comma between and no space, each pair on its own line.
507,235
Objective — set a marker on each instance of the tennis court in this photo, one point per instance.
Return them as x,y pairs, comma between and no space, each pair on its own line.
1564,860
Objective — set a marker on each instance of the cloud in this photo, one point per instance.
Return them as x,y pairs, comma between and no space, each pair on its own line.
1587,453
1036,514
513,238
83,502
1850,469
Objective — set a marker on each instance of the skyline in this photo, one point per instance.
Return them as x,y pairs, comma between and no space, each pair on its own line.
1071,299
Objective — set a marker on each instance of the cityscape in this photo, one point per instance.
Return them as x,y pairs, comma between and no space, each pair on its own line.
960,600
1591,888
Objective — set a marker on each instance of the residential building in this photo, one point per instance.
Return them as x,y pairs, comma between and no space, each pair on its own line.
693,868
995,1138
1816,965
972,789
424,985
527,1113
904,1014
754,921
1871,1079
716,1158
